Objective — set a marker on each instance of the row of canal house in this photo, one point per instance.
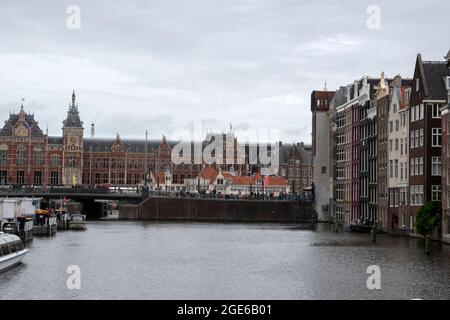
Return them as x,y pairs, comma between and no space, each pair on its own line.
381,148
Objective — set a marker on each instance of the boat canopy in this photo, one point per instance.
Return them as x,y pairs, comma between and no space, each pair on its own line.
8,238
9,244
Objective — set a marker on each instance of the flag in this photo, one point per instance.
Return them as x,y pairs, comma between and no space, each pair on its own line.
27,126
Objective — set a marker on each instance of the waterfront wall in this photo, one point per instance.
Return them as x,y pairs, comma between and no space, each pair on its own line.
163,208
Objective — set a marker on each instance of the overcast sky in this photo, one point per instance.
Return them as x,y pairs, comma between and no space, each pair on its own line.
163,65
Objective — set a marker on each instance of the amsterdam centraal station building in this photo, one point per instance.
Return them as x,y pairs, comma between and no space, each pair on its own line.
30,157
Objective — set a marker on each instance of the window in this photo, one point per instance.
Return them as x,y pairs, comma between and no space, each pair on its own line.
324,170
397,125
20,177
436,137
396,168
3,154
420,111
395,108
416,193
396,144
391,198
20,155
391,168
417,140
436,113
3,177
390,145
436,193
420,138
412,113
54,161
37,178
37,157
413,136
417,84
436,166
391,126
54,178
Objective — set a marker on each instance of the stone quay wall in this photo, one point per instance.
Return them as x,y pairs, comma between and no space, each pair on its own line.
164,208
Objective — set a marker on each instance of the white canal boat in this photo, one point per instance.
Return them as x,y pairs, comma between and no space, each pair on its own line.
12,251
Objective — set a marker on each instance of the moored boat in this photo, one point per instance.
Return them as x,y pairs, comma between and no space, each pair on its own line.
360,226
77,221
62,219
44,223
12,251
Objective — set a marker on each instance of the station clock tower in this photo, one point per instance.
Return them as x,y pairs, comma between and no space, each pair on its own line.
72,146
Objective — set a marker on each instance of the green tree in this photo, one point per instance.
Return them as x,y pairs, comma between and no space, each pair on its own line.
428,217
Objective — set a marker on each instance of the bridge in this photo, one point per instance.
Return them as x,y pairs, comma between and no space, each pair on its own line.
90,199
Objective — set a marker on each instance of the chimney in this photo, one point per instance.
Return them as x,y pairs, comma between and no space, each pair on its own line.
92,130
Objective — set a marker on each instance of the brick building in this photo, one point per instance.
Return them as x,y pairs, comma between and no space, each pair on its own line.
28,156
428,96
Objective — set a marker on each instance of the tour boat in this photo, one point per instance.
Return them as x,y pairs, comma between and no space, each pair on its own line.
12,251
77,221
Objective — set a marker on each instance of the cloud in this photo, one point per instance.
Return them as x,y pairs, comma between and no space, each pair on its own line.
161,65
330,45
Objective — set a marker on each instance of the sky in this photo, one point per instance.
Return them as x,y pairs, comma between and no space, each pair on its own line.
171,65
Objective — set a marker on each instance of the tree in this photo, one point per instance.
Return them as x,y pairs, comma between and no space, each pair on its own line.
428,218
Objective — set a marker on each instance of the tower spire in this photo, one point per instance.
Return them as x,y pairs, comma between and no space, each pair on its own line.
73,99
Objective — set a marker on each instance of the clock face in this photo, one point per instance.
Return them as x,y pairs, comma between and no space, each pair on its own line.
21,131
73,140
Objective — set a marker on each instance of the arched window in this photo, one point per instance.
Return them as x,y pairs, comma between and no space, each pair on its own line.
20,155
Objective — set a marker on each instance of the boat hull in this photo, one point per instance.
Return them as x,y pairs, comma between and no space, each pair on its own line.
10,261
77,225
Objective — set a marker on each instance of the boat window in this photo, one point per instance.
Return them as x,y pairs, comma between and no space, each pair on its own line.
5,249
19,245
12,248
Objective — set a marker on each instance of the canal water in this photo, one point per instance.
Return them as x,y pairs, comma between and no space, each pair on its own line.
143,260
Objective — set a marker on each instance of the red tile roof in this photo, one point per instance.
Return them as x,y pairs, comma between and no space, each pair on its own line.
209,173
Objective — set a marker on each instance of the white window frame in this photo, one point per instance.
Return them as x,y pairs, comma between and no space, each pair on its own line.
436,193
436,132
436,110
436,166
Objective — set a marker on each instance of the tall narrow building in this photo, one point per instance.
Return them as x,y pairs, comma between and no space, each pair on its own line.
446,153
398,178
385,146
320,108
428,96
